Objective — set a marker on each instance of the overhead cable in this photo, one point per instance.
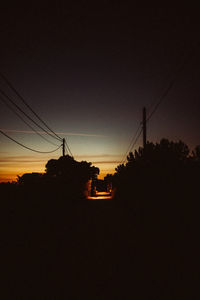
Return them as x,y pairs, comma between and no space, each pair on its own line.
173,79
19,108
26,146
132,143
166,92
136,139
68,149
24,101
20,117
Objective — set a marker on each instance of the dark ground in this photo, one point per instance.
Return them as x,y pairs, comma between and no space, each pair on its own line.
57,249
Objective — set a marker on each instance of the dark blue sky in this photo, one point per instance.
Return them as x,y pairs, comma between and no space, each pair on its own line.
89,70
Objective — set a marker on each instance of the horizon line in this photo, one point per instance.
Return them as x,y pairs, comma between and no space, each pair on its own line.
64,133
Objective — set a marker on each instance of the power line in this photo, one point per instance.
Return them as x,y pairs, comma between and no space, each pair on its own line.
26,146
17,106
172,81
68,149
24,101
19,116
139,134
166,92
132,143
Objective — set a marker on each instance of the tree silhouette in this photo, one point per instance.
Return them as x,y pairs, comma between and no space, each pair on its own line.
196,153
163,152
61,174
29,178
120,168
68,169
164,168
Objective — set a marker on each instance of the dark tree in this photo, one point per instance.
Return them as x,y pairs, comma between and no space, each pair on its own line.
165,169
68,169
196,153
29,178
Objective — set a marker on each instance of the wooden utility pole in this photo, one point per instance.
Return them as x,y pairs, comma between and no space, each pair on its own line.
63,147
144,128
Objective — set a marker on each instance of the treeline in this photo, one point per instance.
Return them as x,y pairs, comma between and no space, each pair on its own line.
64,178
162,171
144,242
158,192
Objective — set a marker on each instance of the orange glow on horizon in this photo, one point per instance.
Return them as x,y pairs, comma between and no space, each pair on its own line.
12,176
11,167
10,171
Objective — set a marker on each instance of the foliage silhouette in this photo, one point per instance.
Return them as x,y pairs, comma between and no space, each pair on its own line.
63,176
144,241
69,169
165,169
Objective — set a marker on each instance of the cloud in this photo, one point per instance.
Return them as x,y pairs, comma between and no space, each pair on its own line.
101,159
107,162
63,133
20,159
96,156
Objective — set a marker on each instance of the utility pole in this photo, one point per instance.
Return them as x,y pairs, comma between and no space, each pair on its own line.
63,147
144,128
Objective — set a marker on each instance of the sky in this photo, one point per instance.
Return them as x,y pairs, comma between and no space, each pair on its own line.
88,70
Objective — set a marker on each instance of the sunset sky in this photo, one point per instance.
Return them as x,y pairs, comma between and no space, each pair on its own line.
88,71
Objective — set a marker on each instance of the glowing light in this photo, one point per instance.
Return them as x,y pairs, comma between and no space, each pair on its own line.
101,196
